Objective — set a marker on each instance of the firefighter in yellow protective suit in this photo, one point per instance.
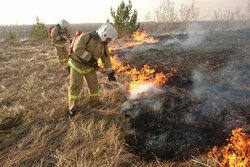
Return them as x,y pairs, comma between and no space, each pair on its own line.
86,50
60,35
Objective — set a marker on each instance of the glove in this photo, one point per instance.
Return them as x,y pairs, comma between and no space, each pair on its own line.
92,62
111,76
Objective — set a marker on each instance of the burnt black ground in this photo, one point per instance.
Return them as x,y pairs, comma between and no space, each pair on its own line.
202,104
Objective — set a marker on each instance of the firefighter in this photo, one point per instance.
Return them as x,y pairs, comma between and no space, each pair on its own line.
60,35
86,50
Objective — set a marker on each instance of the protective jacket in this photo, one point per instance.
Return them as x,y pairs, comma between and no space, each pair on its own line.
59,36
85,46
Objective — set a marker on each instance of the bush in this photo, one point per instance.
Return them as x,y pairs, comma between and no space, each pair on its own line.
188,14
39,30
125,23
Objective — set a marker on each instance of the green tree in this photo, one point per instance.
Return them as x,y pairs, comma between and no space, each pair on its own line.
39,30
124,19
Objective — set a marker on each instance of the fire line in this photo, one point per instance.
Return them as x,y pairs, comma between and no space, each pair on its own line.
236,153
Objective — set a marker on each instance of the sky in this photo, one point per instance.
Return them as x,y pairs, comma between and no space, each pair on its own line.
19,12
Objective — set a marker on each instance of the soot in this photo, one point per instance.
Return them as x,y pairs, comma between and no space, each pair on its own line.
168,124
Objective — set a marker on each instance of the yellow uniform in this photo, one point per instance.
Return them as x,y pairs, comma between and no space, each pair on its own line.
59,37
86,46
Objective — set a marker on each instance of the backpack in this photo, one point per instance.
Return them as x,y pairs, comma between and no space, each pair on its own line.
70,49
50,29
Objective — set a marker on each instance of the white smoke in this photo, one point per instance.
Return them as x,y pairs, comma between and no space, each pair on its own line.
144,95
195,35
172,41
223,95
199,84
147,90
139,49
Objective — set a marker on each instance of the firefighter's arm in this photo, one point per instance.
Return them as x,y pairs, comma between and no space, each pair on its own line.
54,33
108,66
68,36
57,40
81,50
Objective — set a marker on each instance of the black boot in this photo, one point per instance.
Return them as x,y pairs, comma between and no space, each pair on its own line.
71,113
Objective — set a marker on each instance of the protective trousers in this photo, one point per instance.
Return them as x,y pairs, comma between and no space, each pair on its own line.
62,55
76,83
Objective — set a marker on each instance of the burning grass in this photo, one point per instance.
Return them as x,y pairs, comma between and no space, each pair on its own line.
236,153
140,38
171,121
142,76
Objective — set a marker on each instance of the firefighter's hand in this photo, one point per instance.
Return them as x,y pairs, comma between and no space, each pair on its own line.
92,62
111,76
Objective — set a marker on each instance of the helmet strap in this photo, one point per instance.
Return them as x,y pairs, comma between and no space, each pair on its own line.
95,35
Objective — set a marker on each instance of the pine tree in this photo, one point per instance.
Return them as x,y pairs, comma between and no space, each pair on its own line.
39,30
124,20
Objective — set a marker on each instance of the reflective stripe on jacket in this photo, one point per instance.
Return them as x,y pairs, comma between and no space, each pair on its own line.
59,46
73,97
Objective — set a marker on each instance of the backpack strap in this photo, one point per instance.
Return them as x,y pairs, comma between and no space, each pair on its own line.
90,37
106,52
59,28
70,49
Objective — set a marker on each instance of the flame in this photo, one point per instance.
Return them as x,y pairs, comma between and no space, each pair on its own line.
142,76
138,39
236,153
146,74
141,37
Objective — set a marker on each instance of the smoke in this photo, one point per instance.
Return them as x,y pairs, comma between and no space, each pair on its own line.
195,35
140,48
145,90
143,95
200,85
224,95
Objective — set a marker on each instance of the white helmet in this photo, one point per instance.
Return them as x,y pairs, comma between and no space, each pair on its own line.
107,31
64,24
